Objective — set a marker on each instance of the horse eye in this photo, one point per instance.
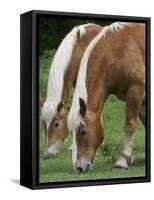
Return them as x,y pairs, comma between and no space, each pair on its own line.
83,132
56,124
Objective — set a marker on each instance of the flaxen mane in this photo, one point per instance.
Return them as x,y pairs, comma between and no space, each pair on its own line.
58,67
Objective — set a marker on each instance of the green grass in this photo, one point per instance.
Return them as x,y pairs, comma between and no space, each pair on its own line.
61,168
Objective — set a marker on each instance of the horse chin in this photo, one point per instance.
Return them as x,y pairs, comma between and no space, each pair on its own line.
83,166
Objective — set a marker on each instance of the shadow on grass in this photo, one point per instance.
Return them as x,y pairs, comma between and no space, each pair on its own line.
139,160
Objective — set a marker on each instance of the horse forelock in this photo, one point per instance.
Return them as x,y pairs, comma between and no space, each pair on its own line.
74,117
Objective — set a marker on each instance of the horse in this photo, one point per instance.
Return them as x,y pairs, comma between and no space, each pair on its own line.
62,77
113,63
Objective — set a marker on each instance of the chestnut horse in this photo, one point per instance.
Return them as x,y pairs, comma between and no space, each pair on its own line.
113,63
62,78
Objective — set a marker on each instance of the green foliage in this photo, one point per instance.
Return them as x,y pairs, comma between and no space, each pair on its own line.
53,29
112,129
45,61
61,168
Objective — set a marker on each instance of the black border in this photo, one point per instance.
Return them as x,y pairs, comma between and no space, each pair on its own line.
26,100
32,181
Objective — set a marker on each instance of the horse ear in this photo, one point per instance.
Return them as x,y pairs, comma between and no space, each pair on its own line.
60,106
83,107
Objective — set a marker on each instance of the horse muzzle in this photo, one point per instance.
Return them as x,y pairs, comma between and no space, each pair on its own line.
83,166
51,152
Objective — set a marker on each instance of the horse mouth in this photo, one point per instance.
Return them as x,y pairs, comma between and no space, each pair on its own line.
83,167
51,154
52,151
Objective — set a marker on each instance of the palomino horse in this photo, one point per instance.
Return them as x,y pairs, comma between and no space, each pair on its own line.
113,63
62,78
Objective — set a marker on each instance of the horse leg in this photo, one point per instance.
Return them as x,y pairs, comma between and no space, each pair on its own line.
134,99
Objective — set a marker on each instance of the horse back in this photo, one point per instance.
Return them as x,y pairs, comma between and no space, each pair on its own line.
117,62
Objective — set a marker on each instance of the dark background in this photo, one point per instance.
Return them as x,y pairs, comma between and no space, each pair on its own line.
53,29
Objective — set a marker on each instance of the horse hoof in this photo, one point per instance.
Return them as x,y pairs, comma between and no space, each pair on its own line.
121,163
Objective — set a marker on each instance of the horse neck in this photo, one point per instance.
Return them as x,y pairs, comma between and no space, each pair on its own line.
96,88
73,68
100,87
96,100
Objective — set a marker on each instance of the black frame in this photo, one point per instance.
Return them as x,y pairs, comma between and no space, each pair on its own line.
29,98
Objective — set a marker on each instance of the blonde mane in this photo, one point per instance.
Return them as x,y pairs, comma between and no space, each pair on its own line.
57,71
74,117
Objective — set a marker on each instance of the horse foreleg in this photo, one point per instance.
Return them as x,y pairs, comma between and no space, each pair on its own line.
133,105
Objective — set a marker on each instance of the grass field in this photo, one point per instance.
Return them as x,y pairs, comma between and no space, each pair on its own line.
61,168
